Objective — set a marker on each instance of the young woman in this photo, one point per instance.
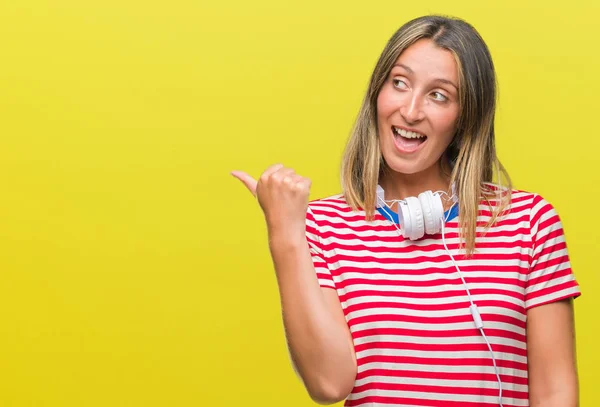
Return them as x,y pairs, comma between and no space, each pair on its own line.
402,297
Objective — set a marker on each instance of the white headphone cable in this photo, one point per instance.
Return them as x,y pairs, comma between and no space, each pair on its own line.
474,311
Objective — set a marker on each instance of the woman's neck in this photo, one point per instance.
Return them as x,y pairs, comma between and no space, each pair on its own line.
400,186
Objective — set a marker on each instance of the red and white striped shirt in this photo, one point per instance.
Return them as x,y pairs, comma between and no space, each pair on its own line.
408,312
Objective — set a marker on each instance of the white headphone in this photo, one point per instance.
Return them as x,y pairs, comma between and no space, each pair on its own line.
417,215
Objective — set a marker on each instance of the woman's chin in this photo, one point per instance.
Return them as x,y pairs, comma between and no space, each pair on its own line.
403,167
400,166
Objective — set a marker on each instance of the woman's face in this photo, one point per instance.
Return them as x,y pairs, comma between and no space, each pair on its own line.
418,108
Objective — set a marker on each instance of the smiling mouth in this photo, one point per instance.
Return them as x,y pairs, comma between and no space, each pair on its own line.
407,141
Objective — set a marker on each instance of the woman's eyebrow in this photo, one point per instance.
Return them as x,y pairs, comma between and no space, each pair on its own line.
446,81
440,80
405,67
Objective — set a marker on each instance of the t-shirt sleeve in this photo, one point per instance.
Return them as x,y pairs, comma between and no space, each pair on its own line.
550,276
313,238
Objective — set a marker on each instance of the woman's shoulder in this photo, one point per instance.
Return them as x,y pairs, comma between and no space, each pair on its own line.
329,204
333,207
516,200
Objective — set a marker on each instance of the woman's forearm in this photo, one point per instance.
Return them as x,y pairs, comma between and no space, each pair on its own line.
564,398
316,331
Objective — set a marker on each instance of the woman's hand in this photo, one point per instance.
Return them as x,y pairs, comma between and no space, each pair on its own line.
282,195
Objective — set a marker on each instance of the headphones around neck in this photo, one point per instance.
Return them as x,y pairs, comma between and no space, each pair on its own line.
417,216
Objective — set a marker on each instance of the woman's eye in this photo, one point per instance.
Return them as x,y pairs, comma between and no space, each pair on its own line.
439,97
399,83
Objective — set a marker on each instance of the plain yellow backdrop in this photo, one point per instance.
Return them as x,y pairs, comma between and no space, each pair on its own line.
134,269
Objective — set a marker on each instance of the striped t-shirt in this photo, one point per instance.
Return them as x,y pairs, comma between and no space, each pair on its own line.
408,312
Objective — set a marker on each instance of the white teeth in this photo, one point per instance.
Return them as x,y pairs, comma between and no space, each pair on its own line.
408,134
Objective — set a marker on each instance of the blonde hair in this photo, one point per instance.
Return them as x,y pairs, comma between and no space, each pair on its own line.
472,152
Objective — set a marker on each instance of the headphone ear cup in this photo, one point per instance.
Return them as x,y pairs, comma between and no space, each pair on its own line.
426,201
404,220
437,211
433,211
416,217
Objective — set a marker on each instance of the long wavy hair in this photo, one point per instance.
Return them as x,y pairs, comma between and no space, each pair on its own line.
472,152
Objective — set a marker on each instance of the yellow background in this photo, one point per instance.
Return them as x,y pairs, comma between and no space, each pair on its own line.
134,269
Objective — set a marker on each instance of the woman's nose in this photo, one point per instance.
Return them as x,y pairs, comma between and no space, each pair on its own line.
412,109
